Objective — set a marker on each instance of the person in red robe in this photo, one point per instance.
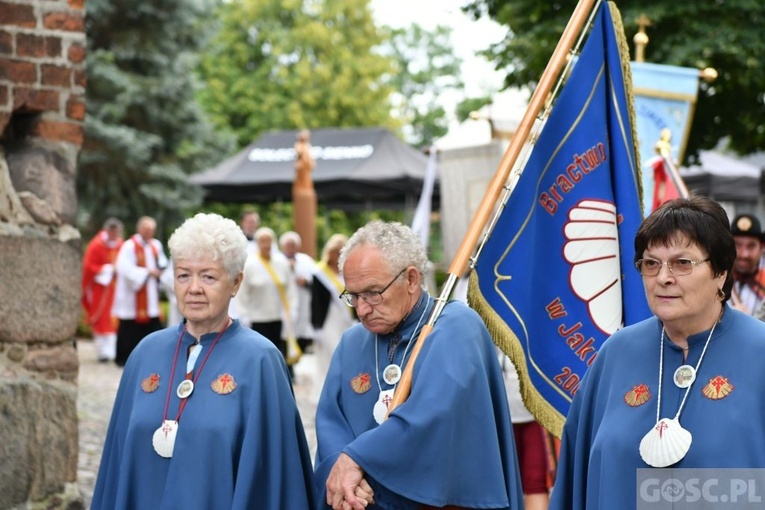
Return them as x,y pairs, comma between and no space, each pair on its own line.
98,282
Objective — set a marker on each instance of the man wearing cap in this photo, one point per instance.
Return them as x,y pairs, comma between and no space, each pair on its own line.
748,276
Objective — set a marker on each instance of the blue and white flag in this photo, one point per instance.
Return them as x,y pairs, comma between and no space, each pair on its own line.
556,276
665,97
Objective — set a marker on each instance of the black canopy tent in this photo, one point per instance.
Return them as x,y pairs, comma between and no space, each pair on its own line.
360,168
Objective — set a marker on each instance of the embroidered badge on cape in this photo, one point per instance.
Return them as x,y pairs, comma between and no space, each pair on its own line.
638,395
361,383
151,383
224,384
717,388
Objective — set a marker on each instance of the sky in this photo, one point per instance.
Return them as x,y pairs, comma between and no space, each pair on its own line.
468,36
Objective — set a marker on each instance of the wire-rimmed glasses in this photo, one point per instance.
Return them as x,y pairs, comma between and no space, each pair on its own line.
677,267
370,297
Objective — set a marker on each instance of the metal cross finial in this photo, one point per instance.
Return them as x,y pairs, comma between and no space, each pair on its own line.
641,38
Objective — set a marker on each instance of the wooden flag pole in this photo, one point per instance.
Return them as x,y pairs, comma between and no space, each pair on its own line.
486,207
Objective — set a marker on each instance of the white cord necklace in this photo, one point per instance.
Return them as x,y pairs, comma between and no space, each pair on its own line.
392,373
668,442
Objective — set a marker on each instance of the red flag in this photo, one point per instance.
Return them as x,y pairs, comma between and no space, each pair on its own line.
664,188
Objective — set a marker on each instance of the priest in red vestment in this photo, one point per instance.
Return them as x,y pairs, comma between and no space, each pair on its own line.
98,282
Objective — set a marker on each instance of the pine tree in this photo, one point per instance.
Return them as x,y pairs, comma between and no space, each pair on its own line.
144,132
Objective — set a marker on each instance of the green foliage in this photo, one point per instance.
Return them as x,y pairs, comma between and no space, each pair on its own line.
144,133
725,35
470,105
290,64
278,217
425,69
174,86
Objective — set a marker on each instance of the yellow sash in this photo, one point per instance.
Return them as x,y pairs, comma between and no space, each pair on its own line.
293,349
335,281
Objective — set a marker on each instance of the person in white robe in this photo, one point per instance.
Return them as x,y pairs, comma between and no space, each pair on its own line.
329,314
139,265
302,266
267,300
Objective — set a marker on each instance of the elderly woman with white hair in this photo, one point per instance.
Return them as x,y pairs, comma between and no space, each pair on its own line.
205,416
269,296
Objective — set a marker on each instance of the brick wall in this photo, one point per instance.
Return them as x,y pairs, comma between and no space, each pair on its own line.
42,67
42,109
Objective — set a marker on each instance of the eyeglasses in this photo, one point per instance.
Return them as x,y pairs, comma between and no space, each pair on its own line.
677,267
370,297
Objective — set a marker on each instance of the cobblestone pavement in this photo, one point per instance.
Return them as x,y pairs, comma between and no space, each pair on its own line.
98,384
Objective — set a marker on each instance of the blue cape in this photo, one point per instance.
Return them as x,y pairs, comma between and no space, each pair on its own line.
600,445
450,443
241,450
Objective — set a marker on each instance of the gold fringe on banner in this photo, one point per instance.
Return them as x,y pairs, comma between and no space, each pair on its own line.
508,342
624,56
503,336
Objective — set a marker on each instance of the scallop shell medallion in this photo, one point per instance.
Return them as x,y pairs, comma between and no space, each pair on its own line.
665,444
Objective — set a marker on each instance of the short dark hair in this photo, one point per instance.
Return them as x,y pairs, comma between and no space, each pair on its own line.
699,219
112,223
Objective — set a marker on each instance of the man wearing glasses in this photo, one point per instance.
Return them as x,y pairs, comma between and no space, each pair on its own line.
451,443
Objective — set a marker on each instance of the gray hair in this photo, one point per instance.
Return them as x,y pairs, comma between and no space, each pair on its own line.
333,243
400,246
144,221
210,235
264,231
290,235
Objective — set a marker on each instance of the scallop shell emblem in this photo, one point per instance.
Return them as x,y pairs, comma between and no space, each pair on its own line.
224,384
150,384
592,250
718,387
638,395
361,383
665,444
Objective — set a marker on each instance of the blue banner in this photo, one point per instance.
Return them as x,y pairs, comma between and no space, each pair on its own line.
556,276
665,97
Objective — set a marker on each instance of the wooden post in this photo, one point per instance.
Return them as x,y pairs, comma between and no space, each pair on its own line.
304,201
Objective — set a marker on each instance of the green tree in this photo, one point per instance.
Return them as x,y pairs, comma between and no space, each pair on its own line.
290,64
278,216
426,68
725,35
144,132
470,105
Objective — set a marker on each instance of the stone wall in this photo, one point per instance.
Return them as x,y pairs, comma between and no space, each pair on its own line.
42,108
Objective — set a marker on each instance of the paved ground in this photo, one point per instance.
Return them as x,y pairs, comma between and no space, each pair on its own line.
98,386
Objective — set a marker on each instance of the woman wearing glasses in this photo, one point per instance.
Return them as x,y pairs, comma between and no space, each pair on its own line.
451,442
683,389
